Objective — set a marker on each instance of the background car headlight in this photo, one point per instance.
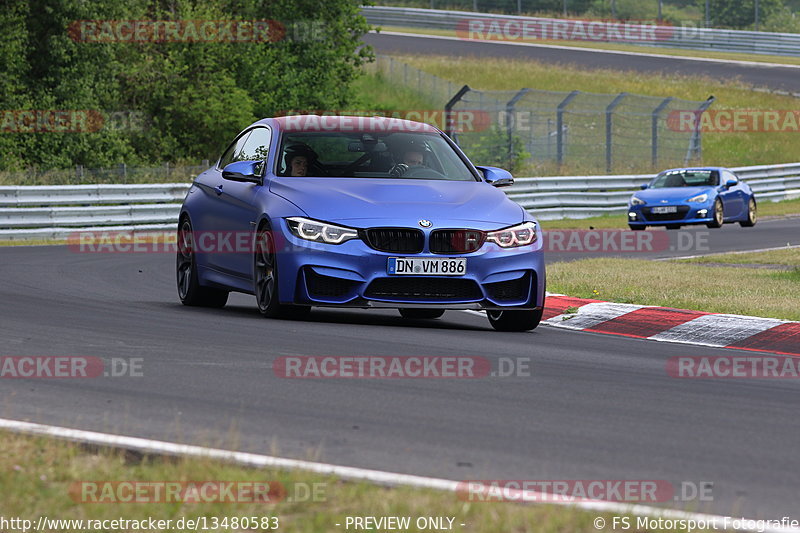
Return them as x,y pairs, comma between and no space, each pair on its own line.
314,230
700,198
637,201
519,235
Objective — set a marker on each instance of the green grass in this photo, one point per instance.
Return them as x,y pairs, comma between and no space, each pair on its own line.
743,291
724,149
788,257
40,477
760,58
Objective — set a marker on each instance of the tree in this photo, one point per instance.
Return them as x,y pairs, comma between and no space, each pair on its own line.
740,13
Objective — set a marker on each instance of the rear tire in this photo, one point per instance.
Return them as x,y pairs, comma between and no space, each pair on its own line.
719,217
190,291
514,320
752,215
412,313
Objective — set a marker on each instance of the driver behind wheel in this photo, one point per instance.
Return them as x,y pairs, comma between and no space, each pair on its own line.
413,155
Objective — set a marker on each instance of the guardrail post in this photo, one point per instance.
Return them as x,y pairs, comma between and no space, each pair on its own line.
609,112
510,121
654,129
448,108
560,126
695,150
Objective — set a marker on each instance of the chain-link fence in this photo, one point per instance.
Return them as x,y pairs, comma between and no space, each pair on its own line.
121,173
606,132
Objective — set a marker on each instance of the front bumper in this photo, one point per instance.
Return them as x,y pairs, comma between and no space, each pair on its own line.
352,274
641,215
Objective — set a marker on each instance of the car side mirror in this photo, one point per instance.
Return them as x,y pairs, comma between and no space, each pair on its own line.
731,183
643,186
497,176
245,171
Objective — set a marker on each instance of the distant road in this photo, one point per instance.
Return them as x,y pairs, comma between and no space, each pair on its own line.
786,78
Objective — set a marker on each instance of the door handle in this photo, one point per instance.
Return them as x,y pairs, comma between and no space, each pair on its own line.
218,189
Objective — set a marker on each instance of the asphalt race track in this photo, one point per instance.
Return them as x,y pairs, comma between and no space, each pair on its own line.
771,77
593,406
686,242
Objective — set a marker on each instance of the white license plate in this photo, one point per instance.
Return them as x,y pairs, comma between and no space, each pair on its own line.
427,266
664,210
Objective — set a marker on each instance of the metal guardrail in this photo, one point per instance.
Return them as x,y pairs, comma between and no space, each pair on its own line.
56,212
551,198
685,37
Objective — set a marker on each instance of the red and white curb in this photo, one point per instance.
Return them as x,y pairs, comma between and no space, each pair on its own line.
379,477
673,325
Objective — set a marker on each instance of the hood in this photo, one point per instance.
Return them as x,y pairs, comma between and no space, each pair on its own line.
671,194
397,200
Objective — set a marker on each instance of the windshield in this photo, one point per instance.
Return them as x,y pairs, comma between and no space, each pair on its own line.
368,154
686,178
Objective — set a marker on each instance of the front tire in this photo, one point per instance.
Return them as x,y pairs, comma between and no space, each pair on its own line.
189,289
719,217
265,279
752,215
514,320
408,312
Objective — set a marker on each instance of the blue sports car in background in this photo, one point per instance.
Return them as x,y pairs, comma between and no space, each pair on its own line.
306,211
681,196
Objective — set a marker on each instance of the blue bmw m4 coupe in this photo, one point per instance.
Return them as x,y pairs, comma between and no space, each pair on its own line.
684,196
307,211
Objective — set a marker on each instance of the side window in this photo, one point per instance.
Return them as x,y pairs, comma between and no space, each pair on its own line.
231,154
256,148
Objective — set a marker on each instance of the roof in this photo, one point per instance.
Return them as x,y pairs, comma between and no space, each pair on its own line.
330,123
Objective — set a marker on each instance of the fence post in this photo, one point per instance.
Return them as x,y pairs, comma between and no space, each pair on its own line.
609,114
448,108
654,130
123,171
510,121
560,126
695,150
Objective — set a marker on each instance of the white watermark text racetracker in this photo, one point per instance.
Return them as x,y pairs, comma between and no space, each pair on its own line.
398,367
69,367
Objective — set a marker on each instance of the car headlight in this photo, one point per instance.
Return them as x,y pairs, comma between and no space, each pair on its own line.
314,230
519,235
637,201
699,199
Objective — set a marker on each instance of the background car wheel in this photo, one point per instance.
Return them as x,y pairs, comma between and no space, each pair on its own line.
673,226
407,312
637,228
718,215
189,290
265,278
752,215
514,320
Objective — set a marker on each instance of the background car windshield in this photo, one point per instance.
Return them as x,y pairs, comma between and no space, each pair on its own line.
363,154
686,178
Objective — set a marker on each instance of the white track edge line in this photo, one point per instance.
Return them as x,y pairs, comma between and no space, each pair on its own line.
712,254
347,472
595,50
